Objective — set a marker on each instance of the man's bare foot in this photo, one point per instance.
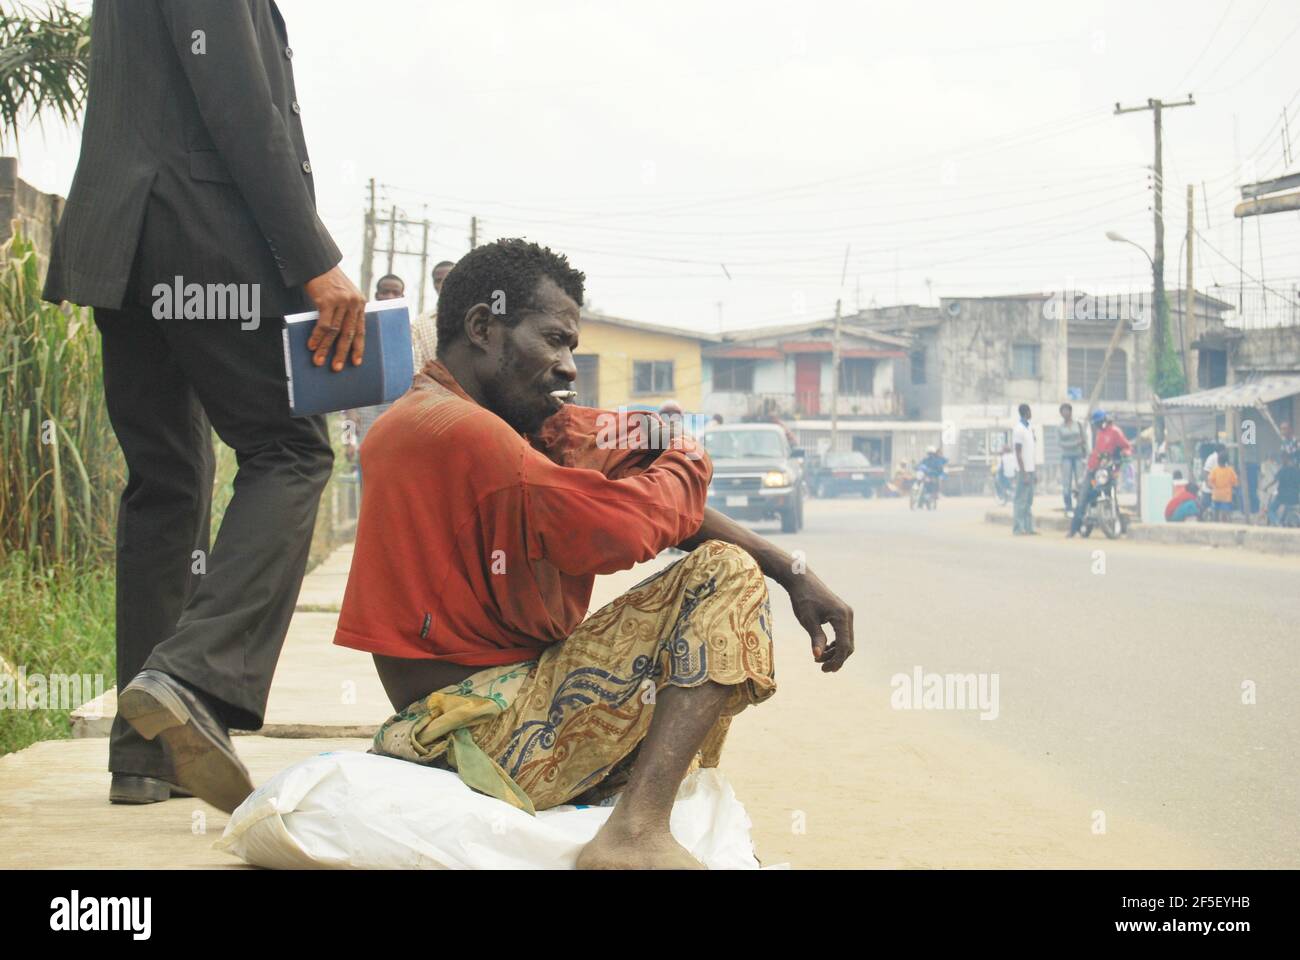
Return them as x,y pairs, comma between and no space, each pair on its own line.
614,848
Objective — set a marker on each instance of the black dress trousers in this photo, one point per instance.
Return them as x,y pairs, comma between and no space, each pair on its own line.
214,618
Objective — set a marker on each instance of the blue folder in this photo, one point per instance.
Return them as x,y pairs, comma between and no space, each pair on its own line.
384,375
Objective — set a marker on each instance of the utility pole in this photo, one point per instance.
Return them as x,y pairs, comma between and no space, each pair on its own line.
1189,296
368,242
392,237
394,219
835,358
835,378
424,263
473,232
1161,332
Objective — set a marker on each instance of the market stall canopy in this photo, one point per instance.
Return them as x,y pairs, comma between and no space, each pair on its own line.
1254,392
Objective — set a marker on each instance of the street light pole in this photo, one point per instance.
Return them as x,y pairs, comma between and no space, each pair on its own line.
1140,377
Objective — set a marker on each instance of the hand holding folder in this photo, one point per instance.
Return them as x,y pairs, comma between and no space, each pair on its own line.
384,374
341,328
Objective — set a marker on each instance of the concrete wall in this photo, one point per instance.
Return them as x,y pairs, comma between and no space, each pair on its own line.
974,346
37,213
1270,350
922,401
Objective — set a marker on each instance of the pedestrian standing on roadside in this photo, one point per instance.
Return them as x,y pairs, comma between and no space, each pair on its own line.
1288,490
1223,481
1072,436
1022,440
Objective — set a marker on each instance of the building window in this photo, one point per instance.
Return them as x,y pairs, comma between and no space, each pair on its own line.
1212,369
732,375
1024,361
857,374
588,382
1085,367
918,367
652,376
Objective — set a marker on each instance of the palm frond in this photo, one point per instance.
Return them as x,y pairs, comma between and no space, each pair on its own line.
44,64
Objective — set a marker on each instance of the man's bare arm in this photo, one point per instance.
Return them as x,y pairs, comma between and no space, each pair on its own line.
813,602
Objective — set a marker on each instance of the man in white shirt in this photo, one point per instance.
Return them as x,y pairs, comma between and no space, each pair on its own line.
1022,442
1212,459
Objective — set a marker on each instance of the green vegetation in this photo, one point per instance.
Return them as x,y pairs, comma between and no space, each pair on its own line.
44,64
62,470
56,621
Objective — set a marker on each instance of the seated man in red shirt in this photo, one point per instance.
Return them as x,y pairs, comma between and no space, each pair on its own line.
490,507
1183,505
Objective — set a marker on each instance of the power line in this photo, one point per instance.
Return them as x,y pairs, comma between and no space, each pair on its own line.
1182,84
1240,40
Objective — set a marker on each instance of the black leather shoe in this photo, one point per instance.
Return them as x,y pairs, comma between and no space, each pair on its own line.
202,756
132,789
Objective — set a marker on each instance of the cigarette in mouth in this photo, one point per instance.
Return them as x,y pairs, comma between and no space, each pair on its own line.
564,394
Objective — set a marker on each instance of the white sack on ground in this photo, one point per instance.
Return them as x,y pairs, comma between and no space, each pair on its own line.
350,810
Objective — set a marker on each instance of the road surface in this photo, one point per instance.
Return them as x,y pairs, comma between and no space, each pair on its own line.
1124,733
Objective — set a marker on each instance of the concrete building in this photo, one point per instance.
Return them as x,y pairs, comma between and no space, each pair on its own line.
974,360
786,372
625,362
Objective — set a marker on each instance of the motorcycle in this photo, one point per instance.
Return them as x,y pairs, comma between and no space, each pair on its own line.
1103,508
1002,486
1289,517
925,492
1205,504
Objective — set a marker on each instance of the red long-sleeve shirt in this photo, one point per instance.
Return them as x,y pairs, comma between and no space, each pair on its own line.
1108,438
1181,495
477,547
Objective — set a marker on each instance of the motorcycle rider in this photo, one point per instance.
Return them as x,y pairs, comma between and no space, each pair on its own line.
931,469
1107,439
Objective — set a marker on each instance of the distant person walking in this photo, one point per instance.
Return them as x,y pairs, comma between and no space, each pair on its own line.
1022,441
1072,438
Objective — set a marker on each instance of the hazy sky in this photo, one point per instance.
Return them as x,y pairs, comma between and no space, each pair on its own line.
687,155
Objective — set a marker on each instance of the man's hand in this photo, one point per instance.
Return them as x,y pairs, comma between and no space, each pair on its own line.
342,320
814,604
812,600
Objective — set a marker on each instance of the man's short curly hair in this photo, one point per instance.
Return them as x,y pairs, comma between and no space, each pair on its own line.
515,267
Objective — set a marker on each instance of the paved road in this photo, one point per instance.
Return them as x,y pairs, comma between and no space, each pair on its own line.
1126,684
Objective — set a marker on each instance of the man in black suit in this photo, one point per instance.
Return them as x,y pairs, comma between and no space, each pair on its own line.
191,228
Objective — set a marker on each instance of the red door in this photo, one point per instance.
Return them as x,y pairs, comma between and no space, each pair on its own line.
808,383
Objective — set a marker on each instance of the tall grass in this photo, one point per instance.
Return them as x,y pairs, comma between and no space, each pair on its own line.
61,475
61,471
56,620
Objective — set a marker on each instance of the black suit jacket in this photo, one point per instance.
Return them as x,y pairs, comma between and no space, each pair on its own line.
193,161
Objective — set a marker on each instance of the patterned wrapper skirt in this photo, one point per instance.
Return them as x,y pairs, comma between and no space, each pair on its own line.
566,727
